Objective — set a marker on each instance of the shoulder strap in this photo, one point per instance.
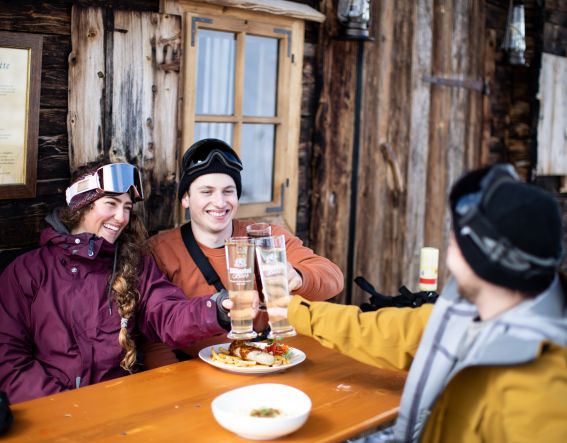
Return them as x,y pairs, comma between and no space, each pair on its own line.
199,257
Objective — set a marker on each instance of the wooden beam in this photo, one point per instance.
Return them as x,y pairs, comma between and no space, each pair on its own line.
86,86
276,7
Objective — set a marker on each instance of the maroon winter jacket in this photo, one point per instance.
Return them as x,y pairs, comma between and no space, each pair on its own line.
56,331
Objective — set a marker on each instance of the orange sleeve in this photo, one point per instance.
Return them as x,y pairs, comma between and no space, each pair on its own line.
322,279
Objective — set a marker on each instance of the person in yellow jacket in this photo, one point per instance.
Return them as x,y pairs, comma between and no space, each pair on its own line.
488,361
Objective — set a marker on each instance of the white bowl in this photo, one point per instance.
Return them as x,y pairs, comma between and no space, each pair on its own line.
232,410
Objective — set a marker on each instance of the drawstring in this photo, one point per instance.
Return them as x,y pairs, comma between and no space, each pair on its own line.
112,277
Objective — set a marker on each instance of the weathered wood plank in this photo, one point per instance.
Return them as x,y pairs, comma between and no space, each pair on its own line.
441,119
40,17
552,124
419,140
86,86
486,157
145,84
52,121
383,149
332,147
22,220
56,49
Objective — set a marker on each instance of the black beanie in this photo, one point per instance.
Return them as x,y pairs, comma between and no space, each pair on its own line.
224,161
511,216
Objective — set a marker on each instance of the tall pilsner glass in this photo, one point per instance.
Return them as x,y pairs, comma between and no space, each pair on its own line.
240,267
270,252
257,230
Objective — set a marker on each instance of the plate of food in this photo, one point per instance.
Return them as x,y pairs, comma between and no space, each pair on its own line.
252,357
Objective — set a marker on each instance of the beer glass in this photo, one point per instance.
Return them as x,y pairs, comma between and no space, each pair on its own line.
270,252
257,230
240,266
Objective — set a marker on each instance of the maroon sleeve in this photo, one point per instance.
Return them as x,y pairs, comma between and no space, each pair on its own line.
166,315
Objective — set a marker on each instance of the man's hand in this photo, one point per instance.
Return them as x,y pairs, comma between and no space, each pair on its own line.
228,304
294,279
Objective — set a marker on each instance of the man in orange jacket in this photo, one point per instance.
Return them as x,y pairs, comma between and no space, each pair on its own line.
210,188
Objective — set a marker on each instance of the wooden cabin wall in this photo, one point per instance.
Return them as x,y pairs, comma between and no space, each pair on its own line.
21,220
308,108
554,41
513,109
415,137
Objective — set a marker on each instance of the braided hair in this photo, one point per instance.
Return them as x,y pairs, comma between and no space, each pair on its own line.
131,247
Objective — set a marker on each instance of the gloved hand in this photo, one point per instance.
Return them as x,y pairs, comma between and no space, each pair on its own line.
406,298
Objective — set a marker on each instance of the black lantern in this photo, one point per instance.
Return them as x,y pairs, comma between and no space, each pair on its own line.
354,15
515,37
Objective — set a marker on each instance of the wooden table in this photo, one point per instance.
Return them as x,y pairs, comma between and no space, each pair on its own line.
173,403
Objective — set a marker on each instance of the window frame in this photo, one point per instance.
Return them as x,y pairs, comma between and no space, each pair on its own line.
289,87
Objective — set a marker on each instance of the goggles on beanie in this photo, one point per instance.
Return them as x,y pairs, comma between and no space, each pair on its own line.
114,178
201,156
471,222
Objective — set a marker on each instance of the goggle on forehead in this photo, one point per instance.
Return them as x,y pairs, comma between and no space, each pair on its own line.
202,159
115,178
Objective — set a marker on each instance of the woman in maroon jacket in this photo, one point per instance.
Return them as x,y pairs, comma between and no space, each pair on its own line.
71,309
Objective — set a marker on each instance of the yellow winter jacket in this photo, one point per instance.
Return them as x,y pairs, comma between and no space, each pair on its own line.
521,403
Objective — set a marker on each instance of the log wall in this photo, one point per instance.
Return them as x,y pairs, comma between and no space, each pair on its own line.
416,136
21,220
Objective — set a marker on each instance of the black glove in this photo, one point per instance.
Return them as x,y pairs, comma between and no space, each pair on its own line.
222,313
406,298
5,413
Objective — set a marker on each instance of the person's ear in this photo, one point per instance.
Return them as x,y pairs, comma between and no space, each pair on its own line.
185,200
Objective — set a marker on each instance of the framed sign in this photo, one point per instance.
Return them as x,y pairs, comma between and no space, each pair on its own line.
20,75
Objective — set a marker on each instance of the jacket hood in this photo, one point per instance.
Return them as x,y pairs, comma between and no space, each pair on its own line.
524,329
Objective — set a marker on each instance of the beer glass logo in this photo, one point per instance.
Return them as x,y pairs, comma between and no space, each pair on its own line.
240,270
240,262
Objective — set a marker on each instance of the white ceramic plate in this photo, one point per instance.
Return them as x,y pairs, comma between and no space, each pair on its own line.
296,357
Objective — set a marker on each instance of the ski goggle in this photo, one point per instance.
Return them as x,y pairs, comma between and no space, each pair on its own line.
114,178
202,154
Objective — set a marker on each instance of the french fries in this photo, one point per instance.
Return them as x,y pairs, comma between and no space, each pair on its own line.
222,355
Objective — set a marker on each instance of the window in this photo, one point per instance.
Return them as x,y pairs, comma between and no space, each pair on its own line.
240,68
242,72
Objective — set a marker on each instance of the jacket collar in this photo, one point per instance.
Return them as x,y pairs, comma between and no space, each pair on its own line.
85,245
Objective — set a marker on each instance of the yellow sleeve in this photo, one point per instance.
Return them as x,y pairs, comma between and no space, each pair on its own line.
386,338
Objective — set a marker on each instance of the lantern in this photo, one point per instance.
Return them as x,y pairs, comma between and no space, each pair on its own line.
515,37
354,15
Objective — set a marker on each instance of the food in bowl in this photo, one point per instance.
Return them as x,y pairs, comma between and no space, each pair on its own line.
265,412
233,410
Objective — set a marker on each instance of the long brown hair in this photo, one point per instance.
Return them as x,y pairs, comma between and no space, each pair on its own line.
131,248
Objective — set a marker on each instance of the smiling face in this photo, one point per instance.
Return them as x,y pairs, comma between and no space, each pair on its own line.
107,218
212,202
